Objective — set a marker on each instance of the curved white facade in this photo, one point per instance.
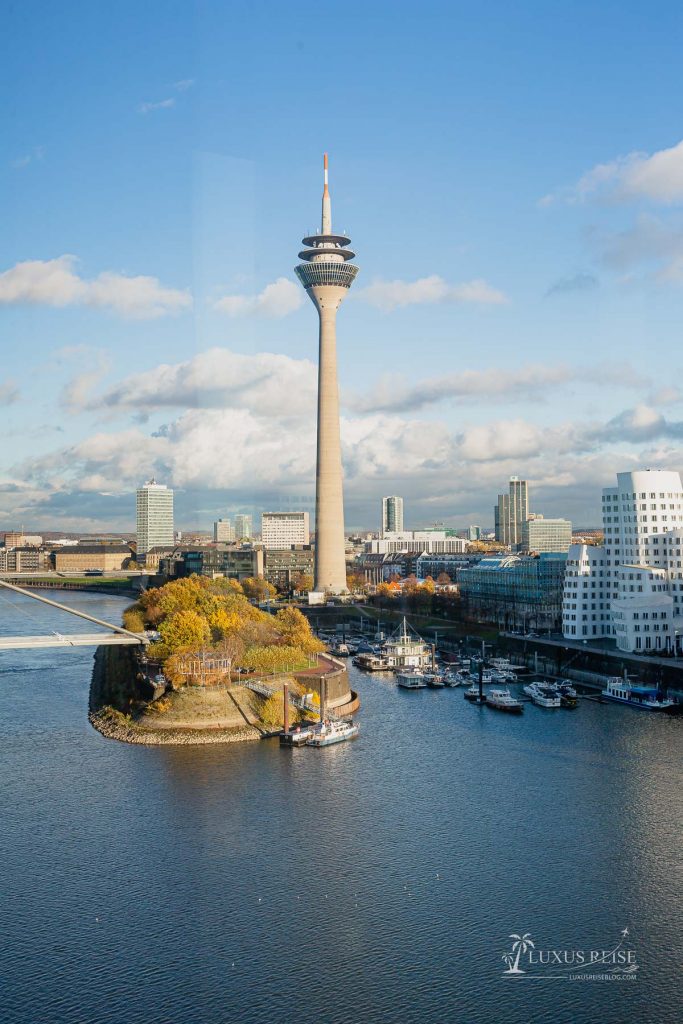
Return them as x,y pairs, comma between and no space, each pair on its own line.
632,587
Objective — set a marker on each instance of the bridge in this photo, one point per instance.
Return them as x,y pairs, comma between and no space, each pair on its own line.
117,635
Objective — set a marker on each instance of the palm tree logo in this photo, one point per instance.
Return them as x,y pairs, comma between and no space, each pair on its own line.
520,945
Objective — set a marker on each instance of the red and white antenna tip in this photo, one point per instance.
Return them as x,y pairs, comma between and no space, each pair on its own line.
325,190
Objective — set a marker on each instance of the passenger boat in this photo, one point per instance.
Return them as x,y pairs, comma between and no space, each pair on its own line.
329,732
473,694
411,679
646,698
545,695
502,700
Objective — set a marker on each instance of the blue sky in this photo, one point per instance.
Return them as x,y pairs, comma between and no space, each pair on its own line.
510,178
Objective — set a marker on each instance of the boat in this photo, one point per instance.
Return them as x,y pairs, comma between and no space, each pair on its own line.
545,695
568,695
411,679
371,663
502,665
455,678
434,680
296,737
472,695
647,698
502,700
332,731
341,650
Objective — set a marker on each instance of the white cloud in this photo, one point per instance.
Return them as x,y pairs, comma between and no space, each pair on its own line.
273,384
657,177
389,295
147,108
535,382
56,283
184,84
276,300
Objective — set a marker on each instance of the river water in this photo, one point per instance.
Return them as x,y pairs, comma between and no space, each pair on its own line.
376,881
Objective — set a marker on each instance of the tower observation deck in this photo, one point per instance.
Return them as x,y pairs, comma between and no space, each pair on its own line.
327,274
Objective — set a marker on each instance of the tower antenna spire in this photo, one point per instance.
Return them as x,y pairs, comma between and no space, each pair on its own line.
326,226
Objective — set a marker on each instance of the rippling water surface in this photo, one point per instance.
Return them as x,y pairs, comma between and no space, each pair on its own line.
374,881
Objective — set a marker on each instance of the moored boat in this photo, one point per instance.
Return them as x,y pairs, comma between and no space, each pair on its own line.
545,695
296,737
472,695
646,698
502,700
411,679
329,732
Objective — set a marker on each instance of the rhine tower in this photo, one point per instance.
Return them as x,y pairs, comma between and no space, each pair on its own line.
327,275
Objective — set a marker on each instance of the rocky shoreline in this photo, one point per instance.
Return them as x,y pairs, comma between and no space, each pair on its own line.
117,726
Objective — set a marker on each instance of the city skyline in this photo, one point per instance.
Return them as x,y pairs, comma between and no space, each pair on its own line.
521,273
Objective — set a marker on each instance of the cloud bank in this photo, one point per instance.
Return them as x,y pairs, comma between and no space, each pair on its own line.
56,283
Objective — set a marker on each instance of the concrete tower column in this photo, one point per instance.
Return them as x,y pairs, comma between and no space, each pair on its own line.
327,276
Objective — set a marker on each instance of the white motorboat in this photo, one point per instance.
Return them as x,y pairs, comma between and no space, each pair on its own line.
331,731
545,695
502,700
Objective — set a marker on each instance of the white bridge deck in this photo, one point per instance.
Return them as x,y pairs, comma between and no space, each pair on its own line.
15,643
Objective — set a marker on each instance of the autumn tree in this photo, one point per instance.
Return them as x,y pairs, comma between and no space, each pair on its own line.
295,630
355,581
257,588
443,579
302,583
183,629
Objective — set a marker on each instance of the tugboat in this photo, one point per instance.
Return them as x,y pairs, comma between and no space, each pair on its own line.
545,695
502,700
643,697
411,679
332,731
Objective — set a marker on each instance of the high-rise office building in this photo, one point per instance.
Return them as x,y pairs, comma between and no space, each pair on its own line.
327,275
282,529
242,527
223,531
392,515
511,512
629,587
154,517
501,515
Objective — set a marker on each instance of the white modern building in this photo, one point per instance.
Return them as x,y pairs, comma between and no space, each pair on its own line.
283,529
392,515
631,588
242,527
427,541
542,536
154,517
223,532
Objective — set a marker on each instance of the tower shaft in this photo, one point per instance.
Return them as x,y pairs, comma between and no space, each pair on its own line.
330,559
327,275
